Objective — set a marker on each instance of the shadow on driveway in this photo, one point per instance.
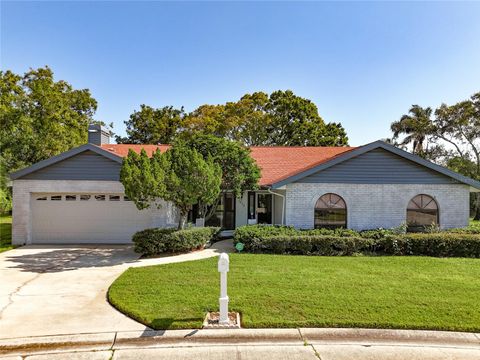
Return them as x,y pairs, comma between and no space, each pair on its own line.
48,259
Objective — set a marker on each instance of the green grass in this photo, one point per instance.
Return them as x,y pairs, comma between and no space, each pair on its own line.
5,233
300,291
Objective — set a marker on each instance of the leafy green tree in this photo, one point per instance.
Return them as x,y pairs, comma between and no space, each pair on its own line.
40,117
417,126
459,126
452,138
239,171
180,176
153,126
281,118
294,121
191,180
144,178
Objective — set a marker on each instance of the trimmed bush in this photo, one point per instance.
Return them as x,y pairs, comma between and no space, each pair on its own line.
287,240
312,245
441,244
156,241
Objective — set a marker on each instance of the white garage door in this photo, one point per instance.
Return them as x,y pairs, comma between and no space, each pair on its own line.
85,218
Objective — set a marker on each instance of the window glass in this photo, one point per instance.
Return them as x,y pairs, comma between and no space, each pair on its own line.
114,198
56,197
71,197
422,212
126,198
85,197
330,212
42,198
251,205
100,197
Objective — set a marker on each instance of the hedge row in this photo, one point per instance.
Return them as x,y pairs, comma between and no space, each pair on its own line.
151,242
282,240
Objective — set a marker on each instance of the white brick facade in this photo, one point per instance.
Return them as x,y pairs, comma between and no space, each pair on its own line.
166,216
371,206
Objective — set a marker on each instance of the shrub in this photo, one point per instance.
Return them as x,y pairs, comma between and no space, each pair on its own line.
442,244
252,234
156,241
327,245
287,240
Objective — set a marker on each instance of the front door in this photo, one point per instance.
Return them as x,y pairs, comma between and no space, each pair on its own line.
264,208
229,211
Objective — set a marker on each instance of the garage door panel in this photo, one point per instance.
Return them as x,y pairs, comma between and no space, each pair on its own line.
86,221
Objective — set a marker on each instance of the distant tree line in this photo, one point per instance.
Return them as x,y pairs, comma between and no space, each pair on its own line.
281,118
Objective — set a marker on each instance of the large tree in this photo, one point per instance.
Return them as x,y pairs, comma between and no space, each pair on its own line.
281,118
153,126
458,126
181,176
451,137
40,117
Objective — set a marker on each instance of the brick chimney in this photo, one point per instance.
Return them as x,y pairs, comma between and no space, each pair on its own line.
98,135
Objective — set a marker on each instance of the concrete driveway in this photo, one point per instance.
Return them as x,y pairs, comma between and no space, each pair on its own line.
48,290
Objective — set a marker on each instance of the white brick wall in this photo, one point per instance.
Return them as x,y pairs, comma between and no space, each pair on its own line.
372,206
22,190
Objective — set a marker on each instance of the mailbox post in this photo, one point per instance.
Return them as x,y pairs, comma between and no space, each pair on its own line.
223,267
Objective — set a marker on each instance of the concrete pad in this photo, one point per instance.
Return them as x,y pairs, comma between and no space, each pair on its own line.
277,352
61,289
359,352
381,336
97,355
210,336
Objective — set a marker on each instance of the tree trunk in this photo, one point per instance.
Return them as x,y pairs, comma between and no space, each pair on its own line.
476,214
182,220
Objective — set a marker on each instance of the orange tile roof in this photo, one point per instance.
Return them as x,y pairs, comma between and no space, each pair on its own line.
122,149
280,162
276,162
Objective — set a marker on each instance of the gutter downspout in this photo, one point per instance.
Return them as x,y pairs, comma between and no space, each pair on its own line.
284,203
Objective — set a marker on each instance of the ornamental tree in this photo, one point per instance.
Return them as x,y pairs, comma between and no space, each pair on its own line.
239,170
181,176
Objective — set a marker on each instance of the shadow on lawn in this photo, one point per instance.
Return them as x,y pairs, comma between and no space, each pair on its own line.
163,324
66,258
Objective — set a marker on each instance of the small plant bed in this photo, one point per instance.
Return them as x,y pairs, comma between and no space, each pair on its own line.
340,242
5,233
308,291
212,321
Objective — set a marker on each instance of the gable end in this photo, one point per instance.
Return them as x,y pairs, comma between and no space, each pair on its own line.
87,165
378,166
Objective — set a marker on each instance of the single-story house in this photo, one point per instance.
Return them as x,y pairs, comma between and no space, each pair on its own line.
76,197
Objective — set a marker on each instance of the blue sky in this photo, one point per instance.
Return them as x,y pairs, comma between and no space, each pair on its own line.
363,64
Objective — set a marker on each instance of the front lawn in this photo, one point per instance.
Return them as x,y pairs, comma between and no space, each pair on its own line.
5,233
302,291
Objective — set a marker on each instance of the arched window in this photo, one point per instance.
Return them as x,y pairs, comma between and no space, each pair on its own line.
422,211
330,212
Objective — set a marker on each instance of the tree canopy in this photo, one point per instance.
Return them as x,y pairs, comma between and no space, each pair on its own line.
281,118
153,126
40,117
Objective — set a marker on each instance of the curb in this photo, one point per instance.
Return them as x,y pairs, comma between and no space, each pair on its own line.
199,337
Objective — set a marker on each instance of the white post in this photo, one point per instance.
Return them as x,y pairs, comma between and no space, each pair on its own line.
223,267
